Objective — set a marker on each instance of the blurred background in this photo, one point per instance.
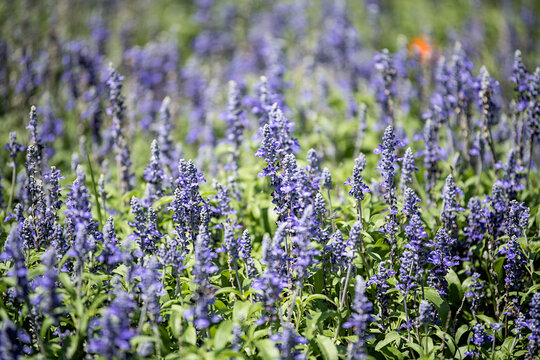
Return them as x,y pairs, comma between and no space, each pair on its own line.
318,54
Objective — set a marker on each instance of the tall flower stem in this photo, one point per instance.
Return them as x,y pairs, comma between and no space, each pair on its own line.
12,192
142,318
94,188
530,257
79,284
238,279
157,339
407,317
338,327
426,337
178,290
531,152
365,260
493,345
293,301
280,314
345,286
332,218
41,344
511,351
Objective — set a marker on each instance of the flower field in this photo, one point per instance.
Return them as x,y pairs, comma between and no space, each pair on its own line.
270,180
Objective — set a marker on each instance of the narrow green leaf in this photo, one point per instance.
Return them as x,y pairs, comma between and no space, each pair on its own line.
267,349
327,347
388,339
223,334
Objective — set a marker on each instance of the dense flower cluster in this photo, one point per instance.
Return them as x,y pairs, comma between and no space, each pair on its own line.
114,245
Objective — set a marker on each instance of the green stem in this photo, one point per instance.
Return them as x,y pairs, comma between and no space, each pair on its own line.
12,192
345,285
41,344
531,151
407,317
426,338
142,318
178,290
331,211
94,188
280,314
158,340
295,295
511,351
531,263
338,327
238,279
367,266
493,345
79,284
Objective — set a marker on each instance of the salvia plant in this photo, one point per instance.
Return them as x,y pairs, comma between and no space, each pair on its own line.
271,180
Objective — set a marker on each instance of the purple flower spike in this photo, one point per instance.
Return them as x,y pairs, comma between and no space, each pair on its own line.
359,320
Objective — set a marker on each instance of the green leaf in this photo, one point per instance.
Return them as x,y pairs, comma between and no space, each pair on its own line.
241,311
454,285
47,323
327,347
316,297
228,290
498,267
139,339
531,290
318,281
162,201
486,319
190,335
388,339
176,319
447,339
417,348
267,349
460,331
442,306
392,353
220,305
223,334
312,320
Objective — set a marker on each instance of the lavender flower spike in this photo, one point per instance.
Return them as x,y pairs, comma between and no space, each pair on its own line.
78,203
432,155
359,320
202,270
235,123
168,151
13,251
387,168
520,77
514,265
451,207
534,325
154,175
358,187
442,260
289,340
245,253
326,177
115,328
117,107
408,167
489,109
386,89
427,314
